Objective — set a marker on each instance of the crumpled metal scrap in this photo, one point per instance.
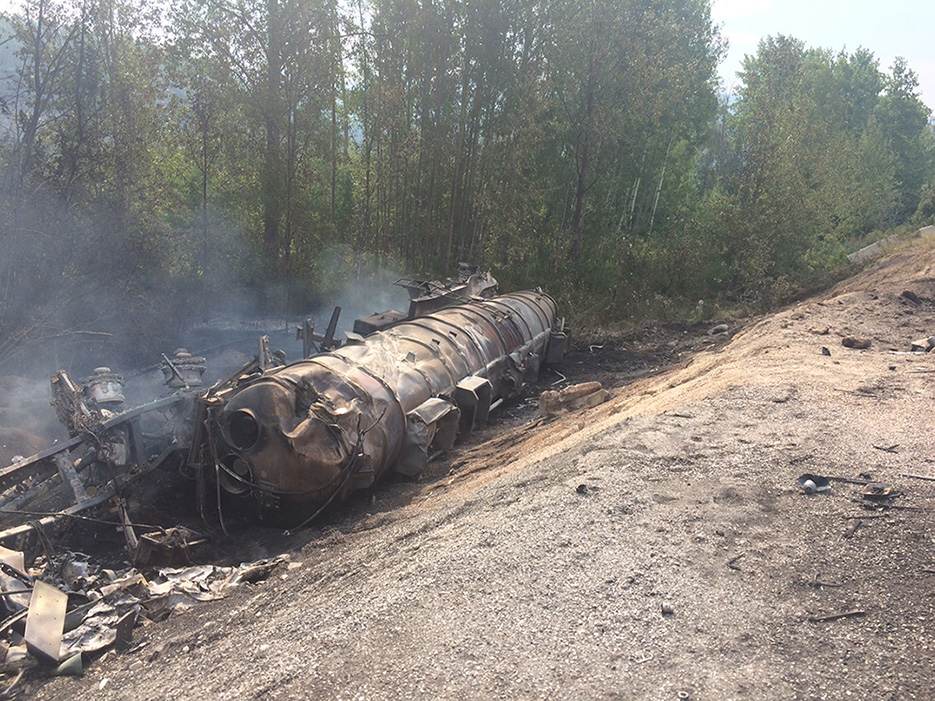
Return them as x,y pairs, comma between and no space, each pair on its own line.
98,630
187,585
115,600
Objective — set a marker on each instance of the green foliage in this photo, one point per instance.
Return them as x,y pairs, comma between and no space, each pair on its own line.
904,120
276,150
925,214
815,153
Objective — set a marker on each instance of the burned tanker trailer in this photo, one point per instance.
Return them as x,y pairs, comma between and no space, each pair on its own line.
297,437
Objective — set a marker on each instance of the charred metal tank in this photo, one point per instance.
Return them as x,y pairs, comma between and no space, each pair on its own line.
296,437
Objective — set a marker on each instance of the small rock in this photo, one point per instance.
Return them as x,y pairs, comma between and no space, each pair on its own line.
582,489
137,665
923,345
186,649
667,609
103,683
825,351
720,328
573,398
855,342
911,296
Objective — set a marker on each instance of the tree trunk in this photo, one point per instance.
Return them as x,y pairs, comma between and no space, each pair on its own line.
272,209
584,162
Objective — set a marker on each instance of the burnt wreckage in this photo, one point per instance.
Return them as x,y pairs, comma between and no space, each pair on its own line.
295,437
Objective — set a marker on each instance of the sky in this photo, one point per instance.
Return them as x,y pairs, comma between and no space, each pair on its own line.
889,29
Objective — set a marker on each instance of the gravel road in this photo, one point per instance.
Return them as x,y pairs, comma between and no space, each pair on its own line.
654,547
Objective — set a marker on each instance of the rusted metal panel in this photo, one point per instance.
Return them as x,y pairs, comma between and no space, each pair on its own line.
46,621
377,322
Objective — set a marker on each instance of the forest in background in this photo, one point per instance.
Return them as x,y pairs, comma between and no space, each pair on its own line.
165,162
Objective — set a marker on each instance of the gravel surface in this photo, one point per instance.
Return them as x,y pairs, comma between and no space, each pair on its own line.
655,547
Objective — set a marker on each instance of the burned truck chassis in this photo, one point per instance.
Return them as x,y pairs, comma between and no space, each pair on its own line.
293,438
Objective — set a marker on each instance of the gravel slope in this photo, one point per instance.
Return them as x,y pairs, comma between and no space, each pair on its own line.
539,567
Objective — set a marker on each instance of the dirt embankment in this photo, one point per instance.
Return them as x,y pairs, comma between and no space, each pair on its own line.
538,563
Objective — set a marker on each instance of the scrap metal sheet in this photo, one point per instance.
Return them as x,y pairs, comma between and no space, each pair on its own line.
46,621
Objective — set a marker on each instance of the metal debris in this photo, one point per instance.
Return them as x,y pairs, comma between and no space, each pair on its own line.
98,629
814,483
888,448
71,667
170,547
426,297
818,582
836,616
104,611
877,491
106,454
184,371
45,622
928,478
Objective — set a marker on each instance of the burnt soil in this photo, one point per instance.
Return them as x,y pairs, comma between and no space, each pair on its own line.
654,547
